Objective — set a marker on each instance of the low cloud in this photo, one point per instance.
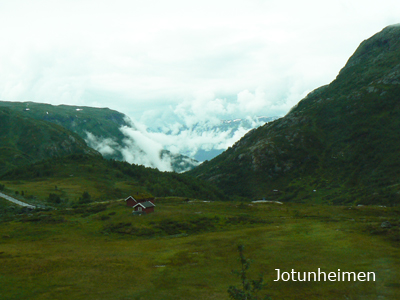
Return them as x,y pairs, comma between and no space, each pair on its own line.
136,148
144,146
207,122
106,146
140,149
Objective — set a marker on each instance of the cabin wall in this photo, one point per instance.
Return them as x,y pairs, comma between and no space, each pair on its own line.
130,202
149,210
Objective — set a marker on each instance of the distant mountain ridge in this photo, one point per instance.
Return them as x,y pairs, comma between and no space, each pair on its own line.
226,128
97,126
79,119
338,145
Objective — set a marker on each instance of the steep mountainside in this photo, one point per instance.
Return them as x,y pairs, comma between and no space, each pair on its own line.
24,140
340,144
100,127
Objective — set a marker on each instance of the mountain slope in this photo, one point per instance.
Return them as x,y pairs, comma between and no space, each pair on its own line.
79,119
340,144
24,140
100,127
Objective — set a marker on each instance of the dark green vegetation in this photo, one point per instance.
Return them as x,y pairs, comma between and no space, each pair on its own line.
63,181
24,140
98,126
338,145
187,249
101,122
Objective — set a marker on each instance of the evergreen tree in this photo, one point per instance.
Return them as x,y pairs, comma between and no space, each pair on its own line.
86,198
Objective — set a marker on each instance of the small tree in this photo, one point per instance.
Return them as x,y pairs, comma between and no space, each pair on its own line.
54,198
249,288
86,198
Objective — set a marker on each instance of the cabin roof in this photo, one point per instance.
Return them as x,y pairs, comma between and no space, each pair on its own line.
140,196
146,204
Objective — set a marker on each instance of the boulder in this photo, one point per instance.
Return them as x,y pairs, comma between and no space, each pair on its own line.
386,224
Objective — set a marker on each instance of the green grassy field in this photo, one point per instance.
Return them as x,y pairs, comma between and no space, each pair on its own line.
70,189
187,250
70,176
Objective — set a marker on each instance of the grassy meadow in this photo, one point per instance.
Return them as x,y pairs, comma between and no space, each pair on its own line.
187,250
69,176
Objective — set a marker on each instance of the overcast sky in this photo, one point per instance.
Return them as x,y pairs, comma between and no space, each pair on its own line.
159,60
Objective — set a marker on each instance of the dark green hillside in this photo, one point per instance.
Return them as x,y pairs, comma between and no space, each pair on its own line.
69,176
102,123
340,144
24,140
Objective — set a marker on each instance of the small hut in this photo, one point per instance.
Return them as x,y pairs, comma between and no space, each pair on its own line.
144,207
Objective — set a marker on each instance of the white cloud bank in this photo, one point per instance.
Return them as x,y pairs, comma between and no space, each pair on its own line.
106,146
136,148
140,149
198,127
133,56
193,125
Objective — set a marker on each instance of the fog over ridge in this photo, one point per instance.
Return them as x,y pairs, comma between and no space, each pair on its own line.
200,126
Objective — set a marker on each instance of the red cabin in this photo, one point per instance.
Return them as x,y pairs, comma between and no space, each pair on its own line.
130,201
145,207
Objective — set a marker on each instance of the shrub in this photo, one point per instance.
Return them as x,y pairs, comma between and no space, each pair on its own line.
86,198
250,288
53,198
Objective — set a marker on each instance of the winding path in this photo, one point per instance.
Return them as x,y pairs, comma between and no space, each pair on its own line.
16,201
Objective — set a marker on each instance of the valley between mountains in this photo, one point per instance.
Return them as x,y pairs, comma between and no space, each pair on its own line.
328,172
